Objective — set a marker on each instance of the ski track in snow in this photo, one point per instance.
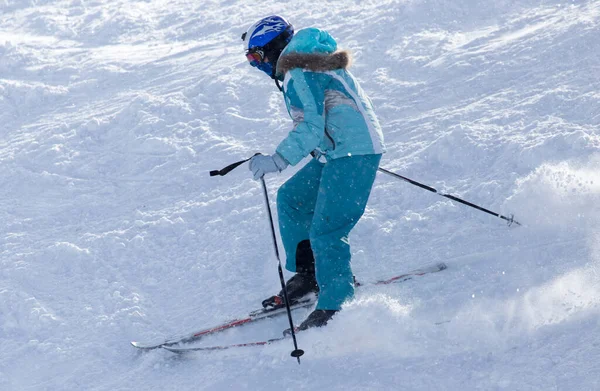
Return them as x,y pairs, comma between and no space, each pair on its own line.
112,114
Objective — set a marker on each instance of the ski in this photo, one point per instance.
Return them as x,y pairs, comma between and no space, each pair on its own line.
438,267
186,349
263,313
266,313
403,277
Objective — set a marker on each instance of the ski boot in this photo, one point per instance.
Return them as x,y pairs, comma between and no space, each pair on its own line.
297,287
317,318
302,283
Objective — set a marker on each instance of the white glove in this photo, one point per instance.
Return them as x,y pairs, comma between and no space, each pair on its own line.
263,164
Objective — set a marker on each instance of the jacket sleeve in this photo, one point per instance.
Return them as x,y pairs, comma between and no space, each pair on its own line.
308,133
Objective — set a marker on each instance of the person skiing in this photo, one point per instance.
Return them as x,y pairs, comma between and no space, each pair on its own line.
334,121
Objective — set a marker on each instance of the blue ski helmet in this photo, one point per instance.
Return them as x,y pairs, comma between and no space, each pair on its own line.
266,39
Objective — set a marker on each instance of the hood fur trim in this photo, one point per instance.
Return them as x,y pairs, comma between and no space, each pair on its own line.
314,61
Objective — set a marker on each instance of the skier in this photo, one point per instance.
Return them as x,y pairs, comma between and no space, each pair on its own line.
334,121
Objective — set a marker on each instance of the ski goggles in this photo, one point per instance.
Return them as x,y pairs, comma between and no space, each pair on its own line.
255,57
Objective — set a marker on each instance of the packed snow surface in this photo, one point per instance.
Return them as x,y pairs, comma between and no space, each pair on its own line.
112,113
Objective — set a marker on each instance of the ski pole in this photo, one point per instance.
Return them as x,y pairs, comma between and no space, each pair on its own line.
510,219
297,352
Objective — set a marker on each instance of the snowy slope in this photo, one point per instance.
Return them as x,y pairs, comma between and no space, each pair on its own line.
113,112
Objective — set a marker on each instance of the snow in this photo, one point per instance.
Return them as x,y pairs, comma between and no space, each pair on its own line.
112,113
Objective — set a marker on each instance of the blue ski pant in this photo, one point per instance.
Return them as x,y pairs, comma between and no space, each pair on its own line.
322,203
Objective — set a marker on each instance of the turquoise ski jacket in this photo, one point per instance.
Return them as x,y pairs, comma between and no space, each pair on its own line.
332,115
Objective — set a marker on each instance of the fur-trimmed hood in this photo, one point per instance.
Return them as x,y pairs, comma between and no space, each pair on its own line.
312,49
316,62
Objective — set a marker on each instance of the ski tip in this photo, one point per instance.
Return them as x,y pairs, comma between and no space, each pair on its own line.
135,344
145,346
442,266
